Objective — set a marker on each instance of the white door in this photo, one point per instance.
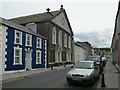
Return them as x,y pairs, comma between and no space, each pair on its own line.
28,60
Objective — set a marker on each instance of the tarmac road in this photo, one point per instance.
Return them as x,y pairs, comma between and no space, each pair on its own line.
49,79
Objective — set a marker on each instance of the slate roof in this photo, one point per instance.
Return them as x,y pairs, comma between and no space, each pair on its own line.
41,17
18,27
35,17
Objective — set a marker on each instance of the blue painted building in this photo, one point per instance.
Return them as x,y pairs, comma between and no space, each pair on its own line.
23,49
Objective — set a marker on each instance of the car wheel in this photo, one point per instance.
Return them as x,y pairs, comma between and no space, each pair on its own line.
93,81
69,83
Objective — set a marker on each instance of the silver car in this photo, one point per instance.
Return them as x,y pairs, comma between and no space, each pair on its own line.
84,72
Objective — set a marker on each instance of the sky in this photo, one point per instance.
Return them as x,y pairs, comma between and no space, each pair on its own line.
91,20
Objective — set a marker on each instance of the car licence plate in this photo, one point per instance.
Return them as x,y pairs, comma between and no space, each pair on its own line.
77,79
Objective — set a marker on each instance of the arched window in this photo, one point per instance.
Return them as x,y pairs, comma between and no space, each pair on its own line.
60,38
54,35
69,42
65,40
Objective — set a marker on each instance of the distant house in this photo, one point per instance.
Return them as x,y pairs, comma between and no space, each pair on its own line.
115,45
21,48
88,47
54,26
79,52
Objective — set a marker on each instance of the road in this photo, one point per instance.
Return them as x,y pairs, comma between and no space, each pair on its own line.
50,79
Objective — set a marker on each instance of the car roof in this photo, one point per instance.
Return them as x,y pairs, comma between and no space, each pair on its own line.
93,56
88,61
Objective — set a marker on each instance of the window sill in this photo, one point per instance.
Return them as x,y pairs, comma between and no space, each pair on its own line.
18,43
17,64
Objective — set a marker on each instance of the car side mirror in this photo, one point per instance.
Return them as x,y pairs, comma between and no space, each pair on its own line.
71,66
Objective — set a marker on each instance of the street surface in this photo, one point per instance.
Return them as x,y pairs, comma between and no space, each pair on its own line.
49,79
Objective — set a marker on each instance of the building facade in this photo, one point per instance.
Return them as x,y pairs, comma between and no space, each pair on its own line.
88,48
115,45
56,28
79,52
22,49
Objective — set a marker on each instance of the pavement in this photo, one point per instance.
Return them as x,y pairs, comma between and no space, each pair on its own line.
17,75
111,75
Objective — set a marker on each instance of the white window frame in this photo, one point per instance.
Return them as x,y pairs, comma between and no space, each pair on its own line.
65,40
20,56
29,40
20,39
40,42
40,58
54,36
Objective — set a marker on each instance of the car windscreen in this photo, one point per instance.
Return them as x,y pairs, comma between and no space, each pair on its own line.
84,65
92,59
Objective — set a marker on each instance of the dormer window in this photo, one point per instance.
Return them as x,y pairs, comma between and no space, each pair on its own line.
28,40
18,37
39,42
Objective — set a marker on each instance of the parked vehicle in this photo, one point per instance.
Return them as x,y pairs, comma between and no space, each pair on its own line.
84,72
98,61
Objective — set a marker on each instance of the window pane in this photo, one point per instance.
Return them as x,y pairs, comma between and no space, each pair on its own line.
17,40
28,42
17,59
38,60
17,53
17,35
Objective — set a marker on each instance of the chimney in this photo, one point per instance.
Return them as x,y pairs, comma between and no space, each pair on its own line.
47,9
61,7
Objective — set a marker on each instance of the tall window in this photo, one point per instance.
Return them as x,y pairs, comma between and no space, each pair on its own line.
39,42
69,42
18,37
54,35
65,40
28,40
38,57
17,56
60,38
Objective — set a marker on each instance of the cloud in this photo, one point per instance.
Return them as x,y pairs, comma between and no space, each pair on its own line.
97,39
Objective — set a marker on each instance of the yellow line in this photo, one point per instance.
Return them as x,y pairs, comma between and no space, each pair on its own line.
0,30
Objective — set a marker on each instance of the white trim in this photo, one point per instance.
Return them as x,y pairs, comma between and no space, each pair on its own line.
5,66
20,56
46,53
26,44
20,37
38,51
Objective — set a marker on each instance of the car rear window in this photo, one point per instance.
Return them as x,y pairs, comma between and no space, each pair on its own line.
92,59
84,65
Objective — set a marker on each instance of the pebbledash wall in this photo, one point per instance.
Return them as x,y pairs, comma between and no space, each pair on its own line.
20,56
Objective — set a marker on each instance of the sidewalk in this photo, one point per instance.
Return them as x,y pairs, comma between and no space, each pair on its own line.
12,76
111,75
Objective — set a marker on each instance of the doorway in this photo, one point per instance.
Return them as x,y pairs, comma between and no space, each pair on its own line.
28,60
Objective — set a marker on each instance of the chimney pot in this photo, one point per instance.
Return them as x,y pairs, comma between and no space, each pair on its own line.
47,9
61,7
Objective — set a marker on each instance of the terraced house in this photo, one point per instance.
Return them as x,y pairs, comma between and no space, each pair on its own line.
115,45
56,27
22,49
